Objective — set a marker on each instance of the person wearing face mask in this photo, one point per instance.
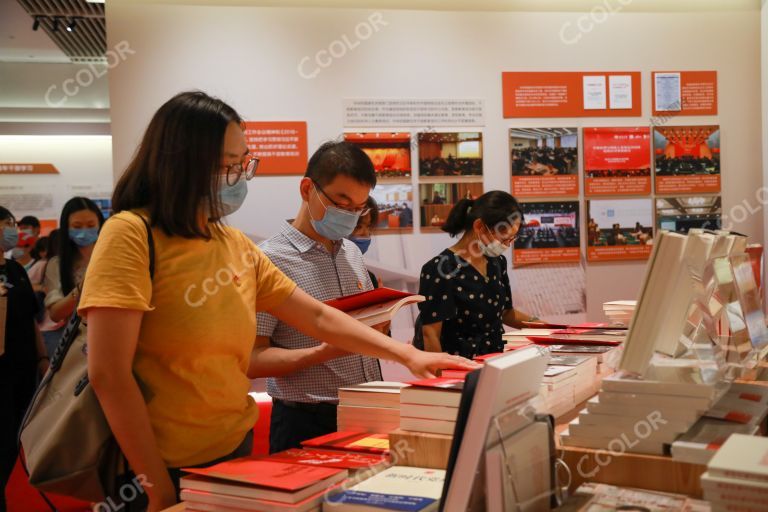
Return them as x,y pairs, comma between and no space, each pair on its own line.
361,236
171,353
315,252
469,298
22,355
22,253
79,226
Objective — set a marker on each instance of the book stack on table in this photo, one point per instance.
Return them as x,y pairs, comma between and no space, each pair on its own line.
568,381
431,405
642,416
619,312
737,476
370,407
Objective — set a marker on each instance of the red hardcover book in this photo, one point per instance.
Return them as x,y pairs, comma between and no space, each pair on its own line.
351,441
365,299
276,475
439,382
454,374
323,458
485,357
556,340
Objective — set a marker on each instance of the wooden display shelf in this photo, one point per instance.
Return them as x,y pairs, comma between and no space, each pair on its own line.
419,449
652,472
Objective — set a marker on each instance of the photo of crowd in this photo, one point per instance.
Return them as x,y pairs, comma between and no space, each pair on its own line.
679,214
437,199
687,150
389,152
549,225
544,151
450,154
619,222
395,204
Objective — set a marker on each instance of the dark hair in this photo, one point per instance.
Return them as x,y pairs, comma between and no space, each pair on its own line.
492,208
6,214
53,244
41,245
68,250
175,170
374,213
340,158
29,220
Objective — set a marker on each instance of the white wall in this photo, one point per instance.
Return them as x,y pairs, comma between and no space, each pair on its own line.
84,163
249,57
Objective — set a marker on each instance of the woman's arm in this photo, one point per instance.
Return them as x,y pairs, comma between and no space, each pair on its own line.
336,328
515,318
431,333
62,309
112,338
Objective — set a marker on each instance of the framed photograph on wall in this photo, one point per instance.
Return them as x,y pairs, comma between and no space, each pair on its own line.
390,153
544,162
679,214
687,159
619,229
550,233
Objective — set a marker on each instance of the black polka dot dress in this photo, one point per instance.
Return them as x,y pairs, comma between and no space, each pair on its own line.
469,304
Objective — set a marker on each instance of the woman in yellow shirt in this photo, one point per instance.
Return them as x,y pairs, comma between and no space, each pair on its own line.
168,356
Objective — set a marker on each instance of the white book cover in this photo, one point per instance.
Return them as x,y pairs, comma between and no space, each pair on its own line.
505,381
643,410
520,468
622,384
411,489
616,445
698,404
741,456
430,396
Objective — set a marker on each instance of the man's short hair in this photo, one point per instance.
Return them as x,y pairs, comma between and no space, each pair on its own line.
340,159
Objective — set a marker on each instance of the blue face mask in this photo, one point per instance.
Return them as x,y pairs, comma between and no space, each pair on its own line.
231,197
336,223
361,242
84,237
10,238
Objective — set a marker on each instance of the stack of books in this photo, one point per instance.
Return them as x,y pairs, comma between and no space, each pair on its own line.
742,410
356,463
619,312
641,416
431,405
350,441
370,407
607,358
258,485
568,381
737,476
397,488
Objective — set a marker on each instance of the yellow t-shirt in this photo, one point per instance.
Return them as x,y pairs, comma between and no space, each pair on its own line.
197,331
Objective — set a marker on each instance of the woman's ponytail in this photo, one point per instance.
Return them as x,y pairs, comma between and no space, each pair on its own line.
459,217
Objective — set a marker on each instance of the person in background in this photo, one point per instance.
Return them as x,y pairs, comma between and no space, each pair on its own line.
469,298
51,330
40,250
361,236
406,216
169,355
30,224
79,227
22,355
22,253
304,374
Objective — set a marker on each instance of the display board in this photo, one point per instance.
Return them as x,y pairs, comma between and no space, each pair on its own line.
281,146
390,153
687,159
550,233
544,162
619,229
617,161
685,93
571,94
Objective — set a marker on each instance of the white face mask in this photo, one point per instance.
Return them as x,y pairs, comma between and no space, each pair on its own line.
493,249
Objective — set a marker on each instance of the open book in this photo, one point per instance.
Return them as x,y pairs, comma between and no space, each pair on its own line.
374,307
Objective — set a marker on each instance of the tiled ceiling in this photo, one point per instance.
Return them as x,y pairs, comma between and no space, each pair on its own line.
86,42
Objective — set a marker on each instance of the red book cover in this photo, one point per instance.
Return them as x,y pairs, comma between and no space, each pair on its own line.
351,441
454,374
485,357
365,299
276,475
328,459
554,340
439,382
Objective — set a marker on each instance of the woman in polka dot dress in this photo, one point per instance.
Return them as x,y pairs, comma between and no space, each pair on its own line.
467,286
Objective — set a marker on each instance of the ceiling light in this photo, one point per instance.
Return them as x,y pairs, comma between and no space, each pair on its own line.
72,24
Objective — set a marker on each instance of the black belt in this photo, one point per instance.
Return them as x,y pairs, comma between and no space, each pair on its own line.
322,407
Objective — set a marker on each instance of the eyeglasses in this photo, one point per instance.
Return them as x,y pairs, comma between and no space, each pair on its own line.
504,241
236,171
356,211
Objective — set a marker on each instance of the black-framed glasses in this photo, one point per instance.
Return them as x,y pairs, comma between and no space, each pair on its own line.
245,168
356,211
504,241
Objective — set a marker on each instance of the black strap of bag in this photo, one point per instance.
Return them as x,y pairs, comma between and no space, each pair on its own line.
67,339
